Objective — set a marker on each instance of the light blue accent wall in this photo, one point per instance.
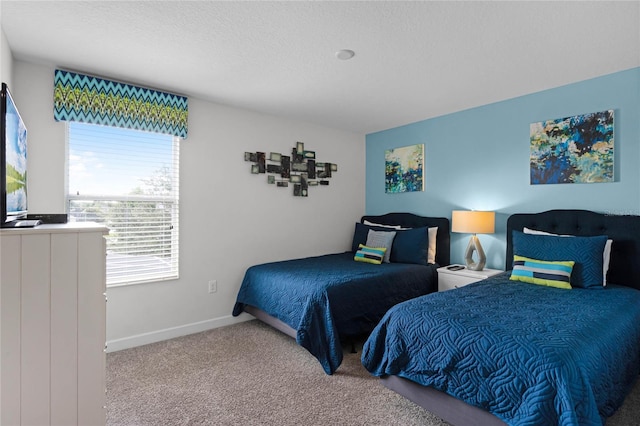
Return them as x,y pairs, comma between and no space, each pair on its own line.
478,159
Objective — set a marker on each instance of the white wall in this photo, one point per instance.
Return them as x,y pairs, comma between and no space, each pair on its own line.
230,219
6,59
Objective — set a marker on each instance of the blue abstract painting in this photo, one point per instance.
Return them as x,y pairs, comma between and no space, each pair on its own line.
404,169
577,149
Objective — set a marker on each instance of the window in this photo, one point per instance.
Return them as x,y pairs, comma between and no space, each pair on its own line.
128,181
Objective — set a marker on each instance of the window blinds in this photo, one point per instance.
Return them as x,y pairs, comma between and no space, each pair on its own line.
127,180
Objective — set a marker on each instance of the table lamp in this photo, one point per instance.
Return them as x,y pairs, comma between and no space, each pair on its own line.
473,222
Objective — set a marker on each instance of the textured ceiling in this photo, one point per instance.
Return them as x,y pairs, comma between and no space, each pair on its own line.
414,60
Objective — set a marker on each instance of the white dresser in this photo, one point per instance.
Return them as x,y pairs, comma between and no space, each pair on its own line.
53,325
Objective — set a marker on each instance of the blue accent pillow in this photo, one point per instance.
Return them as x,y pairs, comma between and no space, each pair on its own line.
586,252
410,246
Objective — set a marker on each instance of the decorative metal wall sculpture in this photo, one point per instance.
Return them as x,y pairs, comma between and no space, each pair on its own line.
300,169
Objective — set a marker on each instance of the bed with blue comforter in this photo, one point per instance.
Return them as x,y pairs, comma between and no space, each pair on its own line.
326,297
528,354
322,299
525,353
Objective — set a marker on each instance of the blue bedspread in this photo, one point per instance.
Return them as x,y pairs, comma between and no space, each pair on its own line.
531,355
325,297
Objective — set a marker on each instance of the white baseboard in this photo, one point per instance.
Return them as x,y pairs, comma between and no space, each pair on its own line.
173,332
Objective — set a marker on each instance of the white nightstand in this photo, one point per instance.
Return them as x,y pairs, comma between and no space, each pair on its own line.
449,279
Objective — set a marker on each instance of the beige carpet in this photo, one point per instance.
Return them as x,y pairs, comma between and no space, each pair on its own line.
250,374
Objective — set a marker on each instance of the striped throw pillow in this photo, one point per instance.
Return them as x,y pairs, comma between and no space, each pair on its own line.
369,254
552,274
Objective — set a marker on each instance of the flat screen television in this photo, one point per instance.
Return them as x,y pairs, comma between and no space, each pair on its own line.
13,163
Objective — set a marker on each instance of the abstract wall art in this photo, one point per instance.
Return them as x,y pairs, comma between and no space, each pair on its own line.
301,169
577,149
404,169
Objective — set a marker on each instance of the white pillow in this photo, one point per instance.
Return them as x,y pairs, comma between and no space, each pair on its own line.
432,233
366,222
431,253
606,254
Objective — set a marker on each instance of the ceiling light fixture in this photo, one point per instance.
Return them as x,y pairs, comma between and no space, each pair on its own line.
345,54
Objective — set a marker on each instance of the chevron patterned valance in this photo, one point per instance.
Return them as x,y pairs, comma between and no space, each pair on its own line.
94,100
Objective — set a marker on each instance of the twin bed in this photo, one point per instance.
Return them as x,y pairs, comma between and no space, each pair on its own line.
504,351
321,301
493,352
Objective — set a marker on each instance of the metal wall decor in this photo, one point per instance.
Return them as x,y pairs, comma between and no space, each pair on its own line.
301,169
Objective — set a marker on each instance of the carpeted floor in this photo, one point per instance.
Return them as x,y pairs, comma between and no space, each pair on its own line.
251,374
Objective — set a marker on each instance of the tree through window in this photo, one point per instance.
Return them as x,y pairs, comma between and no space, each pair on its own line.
128,181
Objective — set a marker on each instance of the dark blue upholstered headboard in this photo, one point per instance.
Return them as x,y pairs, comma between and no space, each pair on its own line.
410,220
624,230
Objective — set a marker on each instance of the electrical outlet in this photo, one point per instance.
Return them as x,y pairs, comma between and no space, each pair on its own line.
213,286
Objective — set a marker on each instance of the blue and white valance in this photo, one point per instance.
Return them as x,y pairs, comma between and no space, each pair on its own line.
87,99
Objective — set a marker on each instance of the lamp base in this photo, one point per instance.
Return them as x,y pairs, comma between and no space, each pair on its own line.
474,245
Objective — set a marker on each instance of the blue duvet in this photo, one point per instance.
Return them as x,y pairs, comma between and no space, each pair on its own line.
325,297
529,354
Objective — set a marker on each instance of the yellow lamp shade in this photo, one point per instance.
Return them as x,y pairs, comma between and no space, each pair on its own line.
473,222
